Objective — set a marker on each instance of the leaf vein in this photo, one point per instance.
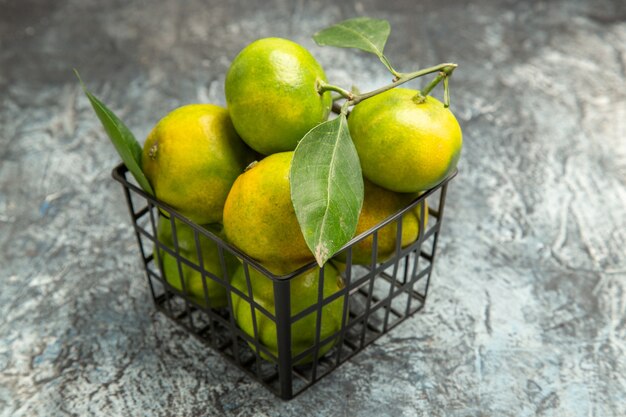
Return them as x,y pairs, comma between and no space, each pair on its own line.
359,34
330,172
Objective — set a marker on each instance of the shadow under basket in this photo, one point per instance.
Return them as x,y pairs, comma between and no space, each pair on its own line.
339,320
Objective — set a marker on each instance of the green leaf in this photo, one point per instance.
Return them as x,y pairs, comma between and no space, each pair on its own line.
327,187
369,35
122,138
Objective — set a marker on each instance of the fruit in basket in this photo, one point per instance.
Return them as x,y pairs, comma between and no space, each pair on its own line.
192,277
379,204
259,217
403,145
271,91
192,157
406,143
304,294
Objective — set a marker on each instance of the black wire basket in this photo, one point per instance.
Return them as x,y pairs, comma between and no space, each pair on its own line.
369,300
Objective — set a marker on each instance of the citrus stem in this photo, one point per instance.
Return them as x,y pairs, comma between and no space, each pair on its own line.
322,87
426,90
401,78
420,97
446,93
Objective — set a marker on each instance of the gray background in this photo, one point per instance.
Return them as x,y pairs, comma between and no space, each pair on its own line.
527,304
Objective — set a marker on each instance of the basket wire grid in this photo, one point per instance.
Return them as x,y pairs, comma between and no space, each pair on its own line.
375,297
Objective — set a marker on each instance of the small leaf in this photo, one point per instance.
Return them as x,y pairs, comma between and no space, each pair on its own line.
369,35
327,187
122,138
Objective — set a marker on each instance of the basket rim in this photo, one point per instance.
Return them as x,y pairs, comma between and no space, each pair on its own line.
119,174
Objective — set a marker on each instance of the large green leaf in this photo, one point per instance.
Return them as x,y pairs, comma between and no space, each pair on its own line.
122,138
369,35
327,187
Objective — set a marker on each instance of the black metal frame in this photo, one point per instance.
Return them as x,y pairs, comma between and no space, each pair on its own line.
376,297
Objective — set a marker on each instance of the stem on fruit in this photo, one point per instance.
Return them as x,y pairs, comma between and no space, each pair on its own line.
322,87
446,93
445,72
426,90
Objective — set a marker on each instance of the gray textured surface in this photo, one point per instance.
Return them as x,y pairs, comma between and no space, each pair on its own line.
526,314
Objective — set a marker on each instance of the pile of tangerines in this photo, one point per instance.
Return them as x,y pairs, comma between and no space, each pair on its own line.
228,170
